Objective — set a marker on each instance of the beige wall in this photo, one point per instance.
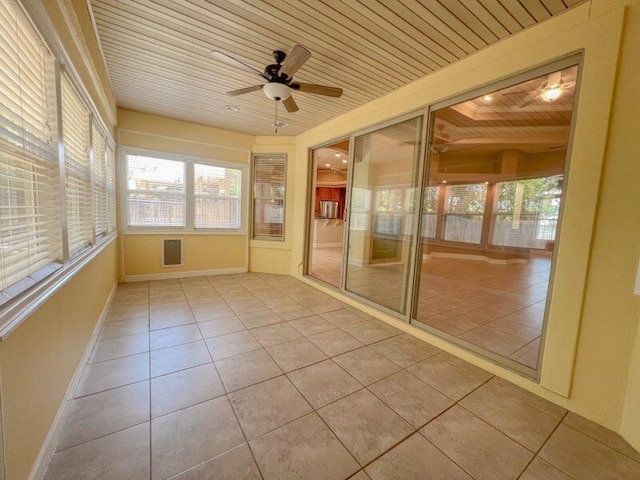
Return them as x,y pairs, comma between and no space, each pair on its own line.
580,349
40,357
203,253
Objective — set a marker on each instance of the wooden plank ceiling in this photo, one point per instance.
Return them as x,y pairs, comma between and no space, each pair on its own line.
158,51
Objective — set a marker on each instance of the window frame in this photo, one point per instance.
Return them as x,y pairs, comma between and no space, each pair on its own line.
189,162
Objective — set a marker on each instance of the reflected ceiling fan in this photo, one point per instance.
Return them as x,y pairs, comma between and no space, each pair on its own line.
279,77
550,90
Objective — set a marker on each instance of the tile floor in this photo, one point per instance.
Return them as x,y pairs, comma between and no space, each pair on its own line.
497,307
261,377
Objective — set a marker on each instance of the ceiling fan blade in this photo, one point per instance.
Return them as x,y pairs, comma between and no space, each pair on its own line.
242,91
223,57
294,60
555,78
317,89
520,93
529,100
290,105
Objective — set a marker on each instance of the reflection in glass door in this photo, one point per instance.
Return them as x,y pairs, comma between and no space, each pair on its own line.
382,211
328,202
491,205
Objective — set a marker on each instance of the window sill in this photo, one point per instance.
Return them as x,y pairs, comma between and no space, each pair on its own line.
14,312
169,231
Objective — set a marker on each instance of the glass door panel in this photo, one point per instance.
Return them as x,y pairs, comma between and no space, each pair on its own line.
491,206
382,211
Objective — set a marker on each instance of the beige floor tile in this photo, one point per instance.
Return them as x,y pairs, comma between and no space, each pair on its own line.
293,312
188,437
212,312
185,388
260,318
468,367
342,318
122,455
324,383
275,334
478,448
445,377
584,458
268,405
420,343
503,406
236,464
126,327
601,434
415,458
303,449
335,342
233,344
172,359
221,326
401,352
248,307
365,425
324,305
361,475
94,416
296,354
166,316
366,365
120,347
411,398
170,337
246,369
311,325
369,332
113,373
538,469
127,312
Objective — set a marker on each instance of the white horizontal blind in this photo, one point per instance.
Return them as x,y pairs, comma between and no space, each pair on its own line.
30,234
268,197
217,192
75,136
155,192
111,189
99,168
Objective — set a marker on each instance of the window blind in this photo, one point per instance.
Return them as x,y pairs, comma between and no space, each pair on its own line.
76,140
268,197
464,212
30,235
110,162
99,168
217,192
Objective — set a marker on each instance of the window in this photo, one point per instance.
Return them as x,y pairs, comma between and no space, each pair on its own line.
155,192
182,193
110,166
30,235
76,140
217,196
269,174
464,212
40,184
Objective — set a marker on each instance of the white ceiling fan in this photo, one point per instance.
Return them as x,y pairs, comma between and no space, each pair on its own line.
551,89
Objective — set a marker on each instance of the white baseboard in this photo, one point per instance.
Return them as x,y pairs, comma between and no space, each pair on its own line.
51,440
192,273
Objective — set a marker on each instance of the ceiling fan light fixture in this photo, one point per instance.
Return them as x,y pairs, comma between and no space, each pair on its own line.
277,91
551,93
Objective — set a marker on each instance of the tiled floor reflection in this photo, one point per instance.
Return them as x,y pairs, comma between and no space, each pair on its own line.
497,307
261,377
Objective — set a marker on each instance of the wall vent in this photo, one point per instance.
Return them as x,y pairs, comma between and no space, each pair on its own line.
172,252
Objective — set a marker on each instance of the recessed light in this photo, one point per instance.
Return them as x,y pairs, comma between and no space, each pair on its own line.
345,161
231,108
444,181
487,98
327,164
337,155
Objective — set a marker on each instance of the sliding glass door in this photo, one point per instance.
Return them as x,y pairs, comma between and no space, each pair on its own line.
382,212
